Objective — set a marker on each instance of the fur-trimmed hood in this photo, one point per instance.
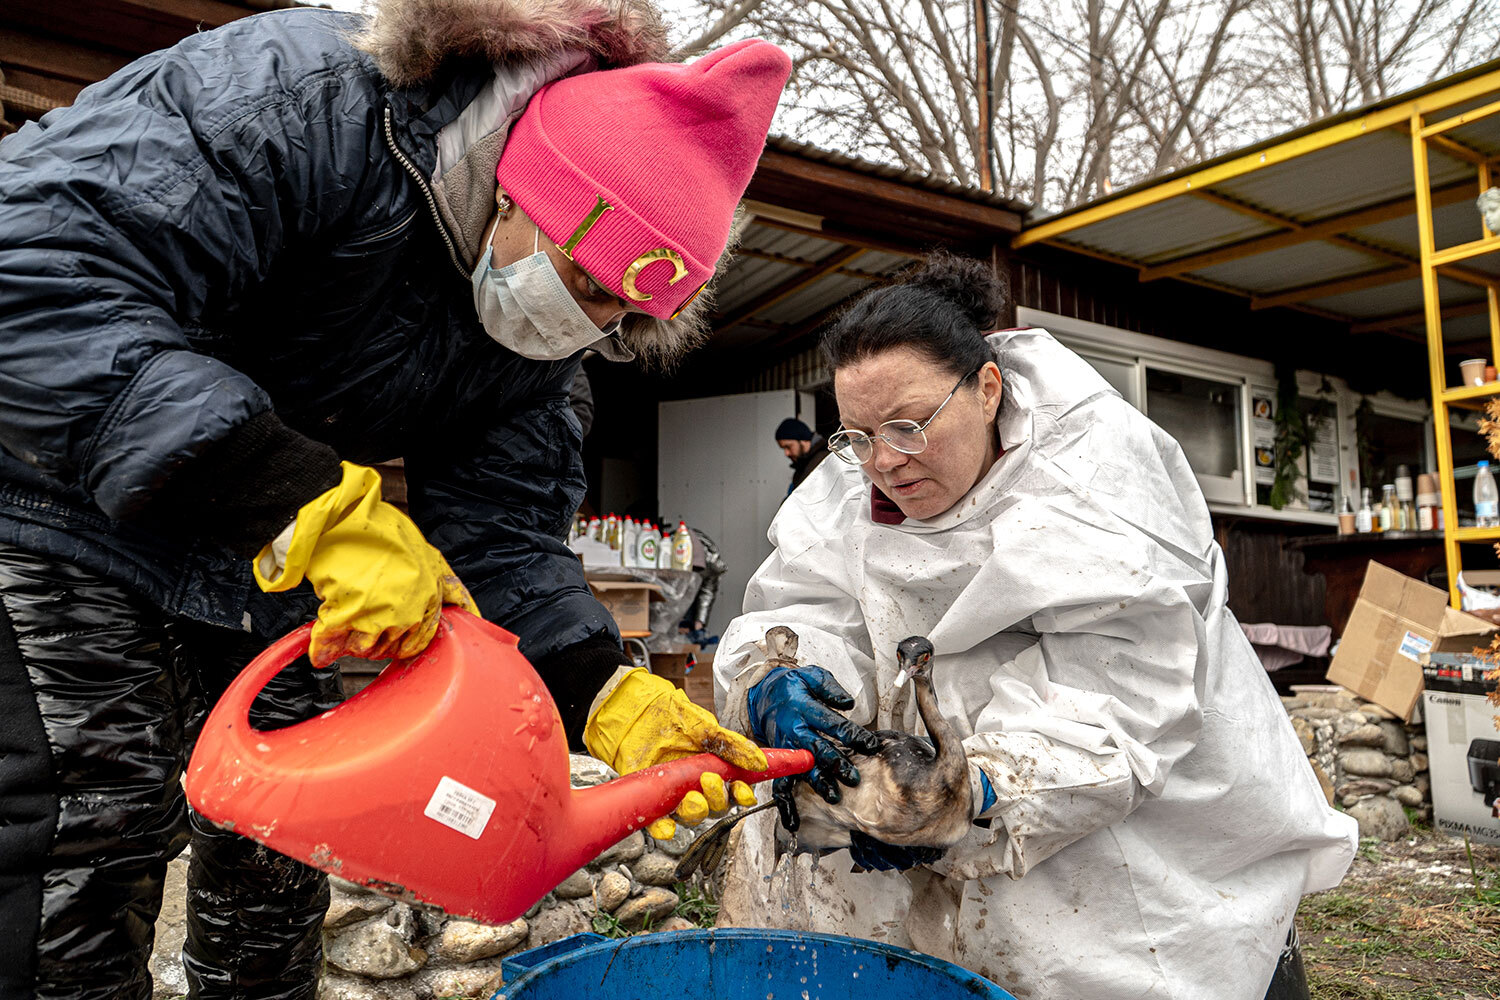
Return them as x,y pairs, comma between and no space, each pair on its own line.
410,39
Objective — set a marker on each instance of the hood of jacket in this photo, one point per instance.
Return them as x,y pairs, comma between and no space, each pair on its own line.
529,43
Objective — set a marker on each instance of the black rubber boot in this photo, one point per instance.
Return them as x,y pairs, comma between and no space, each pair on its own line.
1290,979
90,796
255,917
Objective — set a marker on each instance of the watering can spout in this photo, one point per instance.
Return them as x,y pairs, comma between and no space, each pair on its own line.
445,782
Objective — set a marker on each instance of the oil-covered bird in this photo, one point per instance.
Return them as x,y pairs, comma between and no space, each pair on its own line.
912,792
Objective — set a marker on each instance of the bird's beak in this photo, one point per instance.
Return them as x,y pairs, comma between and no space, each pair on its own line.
904,670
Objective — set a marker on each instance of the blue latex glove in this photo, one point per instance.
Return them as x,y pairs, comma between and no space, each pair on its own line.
795,709
988,797
878,856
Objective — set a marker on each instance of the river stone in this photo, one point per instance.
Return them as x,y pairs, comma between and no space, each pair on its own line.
345,907
1361,787
655,869
1419,761
336,986
1418,744
632,847
612,890
1349,800
575,886
1323,781
556,922
481,979
1317,713
1382,818
1364,735
1401,770
1304,731
586,771
403,920
679,842
1395,738
1375,711
653,902
1423,784
466,941
1366,763
1408,795
675,924
373,949
1342,701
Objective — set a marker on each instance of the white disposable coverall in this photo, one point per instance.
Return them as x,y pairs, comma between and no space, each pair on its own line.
1157,820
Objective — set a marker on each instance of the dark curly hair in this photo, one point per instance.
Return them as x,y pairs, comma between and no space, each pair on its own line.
941,308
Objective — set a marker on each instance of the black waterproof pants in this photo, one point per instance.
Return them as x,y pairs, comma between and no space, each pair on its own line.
100,698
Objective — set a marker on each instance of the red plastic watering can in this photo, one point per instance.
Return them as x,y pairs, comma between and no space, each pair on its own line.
443,782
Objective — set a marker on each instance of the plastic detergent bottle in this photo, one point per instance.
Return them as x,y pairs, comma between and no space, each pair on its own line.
1486,499
682,547
632,542
595,530
664,549
646,545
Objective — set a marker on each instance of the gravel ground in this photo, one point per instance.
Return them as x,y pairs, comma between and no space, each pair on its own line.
1417,919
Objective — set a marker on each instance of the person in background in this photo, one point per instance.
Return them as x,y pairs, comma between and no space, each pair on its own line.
708,563
233,276
1144,820
802,447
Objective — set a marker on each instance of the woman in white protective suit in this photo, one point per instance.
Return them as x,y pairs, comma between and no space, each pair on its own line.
1146,820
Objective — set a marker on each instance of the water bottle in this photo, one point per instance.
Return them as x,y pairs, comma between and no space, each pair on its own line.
1486,498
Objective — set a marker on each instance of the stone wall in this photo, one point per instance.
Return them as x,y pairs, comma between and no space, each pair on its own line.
1368,761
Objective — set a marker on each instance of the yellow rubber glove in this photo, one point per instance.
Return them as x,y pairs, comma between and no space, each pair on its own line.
381,584
644,720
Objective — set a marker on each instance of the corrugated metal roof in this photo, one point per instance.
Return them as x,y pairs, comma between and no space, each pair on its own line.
915,178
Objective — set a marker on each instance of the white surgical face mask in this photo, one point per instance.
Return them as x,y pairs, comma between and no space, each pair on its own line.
526,308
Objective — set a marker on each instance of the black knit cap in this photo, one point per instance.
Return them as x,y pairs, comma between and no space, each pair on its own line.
792,429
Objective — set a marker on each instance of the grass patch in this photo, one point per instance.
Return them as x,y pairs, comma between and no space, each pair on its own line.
698,905
1415,920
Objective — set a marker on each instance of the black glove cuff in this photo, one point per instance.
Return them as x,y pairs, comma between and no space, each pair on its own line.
245,489
574,675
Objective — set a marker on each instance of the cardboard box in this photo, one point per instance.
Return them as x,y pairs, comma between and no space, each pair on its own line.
1463,748
628,601
1394,622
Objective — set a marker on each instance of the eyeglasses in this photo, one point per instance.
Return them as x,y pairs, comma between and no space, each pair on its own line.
906,436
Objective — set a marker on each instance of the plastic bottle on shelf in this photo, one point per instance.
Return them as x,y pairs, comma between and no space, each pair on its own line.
664,548
631,542
1427,502
1364,518
1405,497
1388,507
1346,514
682,547
595,529
646,544
1486,498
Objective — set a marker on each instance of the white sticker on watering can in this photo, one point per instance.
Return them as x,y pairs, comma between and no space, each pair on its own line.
460,807
1413,646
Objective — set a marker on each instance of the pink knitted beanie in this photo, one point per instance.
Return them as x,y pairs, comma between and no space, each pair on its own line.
635,172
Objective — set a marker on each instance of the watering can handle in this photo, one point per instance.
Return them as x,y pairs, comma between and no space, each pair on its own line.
244,689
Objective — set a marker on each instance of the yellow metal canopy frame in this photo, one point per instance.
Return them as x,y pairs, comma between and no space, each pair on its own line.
1423,135
1364,262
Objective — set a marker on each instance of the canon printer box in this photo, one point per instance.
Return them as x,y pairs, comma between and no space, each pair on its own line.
1463,746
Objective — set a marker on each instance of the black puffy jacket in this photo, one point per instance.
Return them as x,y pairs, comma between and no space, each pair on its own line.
220,272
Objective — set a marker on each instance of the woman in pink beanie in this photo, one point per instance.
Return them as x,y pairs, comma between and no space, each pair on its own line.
233,276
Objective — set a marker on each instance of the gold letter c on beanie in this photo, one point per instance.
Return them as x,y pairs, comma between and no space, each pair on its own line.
636,172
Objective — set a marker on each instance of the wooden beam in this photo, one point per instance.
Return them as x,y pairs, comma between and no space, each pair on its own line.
1322,289
787,288
73,61
865,242
781,258
1307,232
1396,320
1464,118
972,214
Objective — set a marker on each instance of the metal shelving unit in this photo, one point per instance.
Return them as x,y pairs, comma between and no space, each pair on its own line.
1433,261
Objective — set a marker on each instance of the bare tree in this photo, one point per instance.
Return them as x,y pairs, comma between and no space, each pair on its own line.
1085,95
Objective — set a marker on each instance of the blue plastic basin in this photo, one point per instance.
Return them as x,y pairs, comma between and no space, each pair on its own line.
734,964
